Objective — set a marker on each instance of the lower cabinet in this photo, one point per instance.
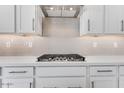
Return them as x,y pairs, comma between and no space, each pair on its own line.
121,76
17,83
103,77
0,83
62,77
121,82
61,82
103,82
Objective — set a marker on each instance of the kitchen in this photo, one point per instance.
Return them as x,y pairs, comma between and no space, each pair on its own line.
61,46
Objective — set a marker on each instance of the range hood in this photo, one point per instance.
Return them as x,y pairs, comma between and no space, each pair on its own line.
61,11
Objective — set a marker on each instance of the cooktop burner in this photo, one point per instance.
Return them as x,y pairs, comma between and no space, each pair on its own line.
60,58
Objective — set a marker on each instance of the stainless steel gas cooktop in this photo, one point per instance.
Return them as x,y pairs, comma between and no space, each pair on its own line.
60,58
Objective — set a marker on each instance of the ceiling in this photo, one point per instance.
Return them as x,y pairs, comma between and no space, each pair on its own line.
65,11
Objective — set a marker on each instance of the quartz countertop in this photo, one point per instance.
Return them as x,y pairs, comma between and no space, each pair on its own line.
32,61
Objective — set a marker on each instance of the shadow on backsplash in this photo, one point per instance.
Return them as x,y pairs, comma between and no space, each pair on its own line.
11,45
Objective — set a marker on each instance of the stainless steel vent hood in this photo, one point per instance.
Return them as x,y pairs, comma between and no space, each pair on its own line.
61,11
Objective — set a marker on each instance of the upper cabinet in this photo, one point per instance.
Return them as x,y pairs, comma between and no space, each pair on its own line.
92,19
27,19
7,19
114,19
21,19
39,19
99,19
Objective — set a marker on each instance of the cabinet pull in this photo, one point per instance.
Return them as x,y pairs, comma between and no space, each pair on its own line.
33,25
92,83
122,23
0,71
88,24
18,72
104,70
30,84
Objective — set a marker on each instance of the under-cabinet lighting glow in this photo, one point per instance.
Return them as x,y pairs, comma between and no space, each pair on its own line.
71,8
95,44
8,44
115,44
51,8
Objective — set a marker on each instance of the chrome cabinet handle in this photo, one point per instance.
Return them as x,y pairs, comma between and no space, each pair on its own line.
92,83
122,23
30,84
18,72
104,70
33,24
0,71
88,24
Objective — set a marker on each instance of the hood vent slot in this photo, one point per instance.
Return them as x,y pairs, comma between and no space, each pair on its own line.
66,11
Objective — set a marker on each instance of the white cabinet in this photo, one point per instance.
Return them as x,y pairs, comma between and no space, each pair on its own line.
103,82
103,71
114,19
61,82
83,21
121,76
7,19
17,83
92,19
25,18
15,72
61,71
17,77
61,76
39,20
103,77
29,19
121,82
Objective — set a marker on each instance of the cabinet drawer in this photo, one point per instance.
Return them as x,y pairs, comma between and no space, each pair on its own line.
61,71
78,82
121,70
103,70
18,71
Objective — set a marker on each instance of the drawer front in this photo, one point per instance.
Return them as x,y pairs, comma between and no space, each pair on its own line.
17,71
61,71
121,70
103,71
78,82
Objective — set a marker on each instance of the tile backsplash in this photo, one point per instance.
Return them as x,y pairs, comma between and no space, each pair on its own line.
87,45
11,45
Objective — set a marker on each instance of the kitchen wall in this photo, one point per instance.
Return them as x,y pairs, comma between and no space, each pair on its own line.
61,27
63,38
15,45
87,45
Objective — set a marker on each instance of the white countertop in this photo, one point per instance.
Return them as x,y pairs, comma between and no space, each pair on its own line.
31,61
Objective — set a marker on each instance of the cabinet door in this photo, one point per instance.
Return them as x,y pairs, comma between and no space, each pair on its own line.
121,82
103,82
7,18
92,19
17,83
114,19
26,18
95,18
83,21
62,82
39,19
